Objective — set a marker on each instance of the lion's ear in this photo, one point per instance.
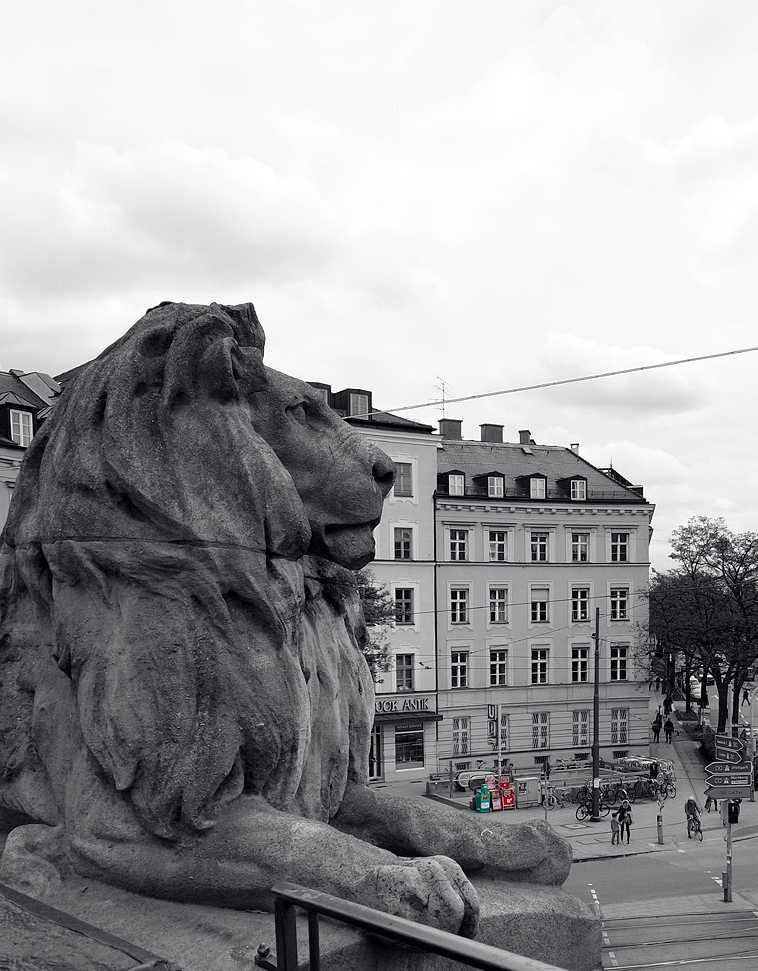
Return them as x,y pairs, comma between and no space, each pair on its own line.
213,355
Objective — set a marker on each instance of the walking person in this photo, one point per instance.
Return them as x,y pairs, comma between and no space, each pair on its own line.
657,725
625,820
668,728
745,697
667,705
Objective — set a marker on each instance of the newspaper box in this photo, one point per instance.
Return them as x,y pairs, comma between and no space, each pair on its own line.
528,792
507,794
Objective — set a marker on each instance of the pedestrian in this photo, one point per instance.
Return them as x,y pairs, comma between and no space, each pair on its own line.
657,724
547,770
668,728
615,828
667,705
657,684
745,697
625,820
653,770
710,802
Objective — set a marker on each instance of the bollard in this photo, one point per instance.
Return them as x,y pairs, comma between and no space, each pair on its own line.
725,885
660,829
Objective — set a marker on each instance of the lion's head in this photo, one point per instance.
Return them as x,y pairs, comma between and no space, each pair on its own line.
159,523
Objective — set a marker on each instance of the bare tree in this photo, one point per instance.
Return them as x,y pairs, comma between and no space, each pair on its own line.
706,608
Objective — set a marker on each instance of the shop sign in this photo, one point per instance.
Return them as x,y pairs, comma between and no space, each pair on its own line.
383,705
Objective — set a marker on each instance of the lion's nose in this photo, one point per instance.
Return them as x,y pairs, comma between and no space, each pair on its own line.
383,470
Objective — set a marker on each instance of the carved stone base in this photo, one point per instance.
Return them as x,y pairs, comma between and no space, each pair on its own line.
539,922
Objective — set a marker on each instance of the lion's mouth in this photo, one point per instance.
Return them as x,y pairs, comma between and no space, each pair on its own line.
350,546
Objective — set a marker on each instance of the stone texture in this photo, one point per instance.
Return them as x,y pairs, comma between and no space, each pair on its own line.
185,710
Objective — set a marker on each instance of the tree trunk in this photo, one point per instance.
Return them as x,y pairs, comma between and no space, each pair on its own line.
723,690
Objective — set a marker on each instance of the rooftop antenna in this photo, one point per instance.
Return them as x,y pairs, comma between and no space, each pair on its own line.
441,386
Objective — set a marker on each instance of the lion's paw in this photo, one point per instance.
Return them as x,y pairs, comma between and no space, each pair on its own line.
531,852
429,890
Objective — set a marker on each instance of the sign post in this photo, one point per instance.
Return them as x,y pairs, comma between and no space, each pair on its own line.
729,778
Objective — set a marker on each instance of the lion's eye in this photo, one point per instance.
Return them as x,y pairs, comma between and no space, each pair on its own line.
298,412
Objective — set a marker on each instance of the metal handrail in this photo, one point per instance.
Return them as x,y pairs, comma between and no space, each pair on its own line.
474,954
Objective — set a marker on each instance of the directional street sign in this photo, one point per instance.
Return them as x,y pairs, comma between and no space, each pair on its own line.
728,792
728,755
724,779
727,766
728,748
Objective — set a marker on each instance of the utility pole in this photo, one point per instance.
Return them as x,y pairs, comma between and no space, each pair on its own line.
596,725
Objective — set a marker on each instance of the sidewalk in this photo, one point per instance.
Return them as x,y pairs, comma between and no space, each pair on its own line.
592,841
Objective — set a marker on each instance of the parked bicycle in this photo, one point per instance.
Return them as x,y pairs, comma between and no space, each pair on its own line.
613,792
557,797
585,810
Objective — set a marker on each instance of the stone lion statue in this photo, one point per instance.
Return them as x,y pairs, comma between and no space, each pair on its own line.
185,710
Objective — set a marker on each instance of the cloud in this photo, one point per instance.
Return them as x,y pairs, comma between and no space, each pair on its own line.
168,213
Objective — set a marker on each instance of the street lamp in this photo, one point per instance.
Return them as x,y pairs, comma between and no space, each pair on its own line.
596,725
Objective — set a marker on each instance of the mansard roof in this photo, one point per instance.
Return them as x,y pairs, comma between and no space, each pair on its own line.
517,464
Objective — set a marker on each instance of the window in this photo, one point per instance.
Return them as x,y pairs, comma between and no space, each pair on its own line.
459,670
538,547
495,487
459,605
580,604
539,665
404,605
578,489
458,541
375,754
409,745
460,736
359,404
498,666
619,726
540,729
580,664
404,672
580,547
497,545
455,485
403,538
619,547
619,657
619,603
21,427
403,479
580,728
536,488
498,605
539,604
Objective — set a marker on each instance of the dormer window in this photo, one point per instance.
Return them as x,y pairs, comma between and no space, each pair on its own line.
537,488
359,404
495,488
21,427
579,489
455,484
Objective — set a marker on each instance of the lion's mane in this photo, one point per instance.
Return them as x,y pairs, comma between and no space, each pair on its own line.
153,612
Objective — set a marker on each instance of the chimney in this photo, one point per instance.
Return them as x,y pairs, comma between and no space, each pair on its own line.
492,433
524,436
451,428
575,447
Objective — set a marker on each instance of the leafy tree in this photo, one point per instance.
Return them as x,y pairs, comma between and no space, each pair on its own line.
379,612
706,608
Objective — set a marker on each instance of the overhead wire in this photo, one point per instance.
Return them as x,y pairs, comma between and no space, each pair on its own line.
555,384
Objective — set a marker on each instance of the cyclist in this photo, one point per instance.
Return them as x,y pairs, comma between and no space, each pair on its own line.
692,812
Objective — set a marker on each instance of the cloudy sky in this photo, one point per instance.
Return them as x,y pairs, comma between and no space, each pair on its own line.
485,194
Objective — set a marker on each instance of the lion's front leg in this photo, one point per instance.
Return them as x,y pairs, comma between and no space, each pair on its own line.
526,852
250,848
